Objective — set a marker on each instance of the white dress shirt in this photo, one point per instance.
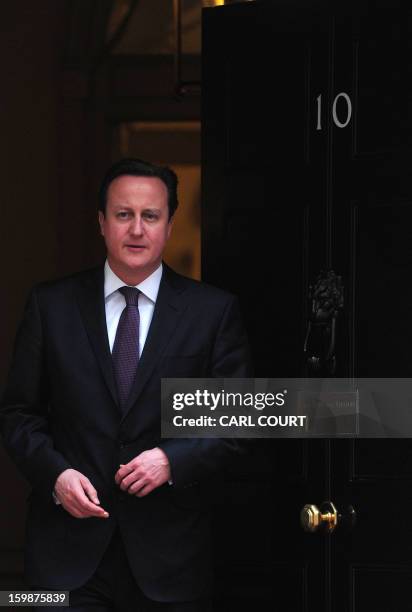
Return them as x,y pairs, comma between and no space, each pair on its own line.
115,302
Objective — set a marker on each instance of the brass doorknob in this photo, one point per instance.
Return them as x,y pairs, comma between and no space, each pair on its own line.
314,519
327,518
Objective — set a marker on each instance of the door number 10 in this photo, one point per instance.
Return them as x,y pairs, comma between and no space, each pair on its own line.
336,120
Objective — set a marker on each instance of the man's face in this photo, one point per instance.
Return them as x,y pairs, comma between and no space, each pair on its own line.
136,226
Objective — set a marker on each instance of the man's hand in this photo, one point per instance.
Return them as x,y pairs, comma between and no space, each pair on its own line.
144,473
77,495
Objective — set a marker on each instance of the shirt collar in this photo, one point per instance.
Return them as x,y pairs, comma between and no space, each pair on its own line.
149,287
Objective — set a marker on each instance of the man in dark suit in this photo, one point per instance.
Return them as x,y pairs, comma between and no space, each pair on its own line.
118,515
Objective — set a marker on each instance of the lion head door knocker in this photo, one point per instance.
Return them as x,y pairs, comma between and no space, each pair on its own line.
326,301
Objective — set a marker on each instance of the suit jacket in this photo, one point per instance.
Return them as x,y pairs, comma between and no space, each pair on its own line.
60,410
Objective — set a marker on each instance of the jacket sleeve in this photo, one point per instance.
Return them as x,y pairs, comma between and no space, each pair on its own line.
24,406
197,458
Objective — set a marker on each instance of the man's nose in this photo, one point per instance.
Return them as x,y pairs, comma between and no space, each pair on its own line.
136,226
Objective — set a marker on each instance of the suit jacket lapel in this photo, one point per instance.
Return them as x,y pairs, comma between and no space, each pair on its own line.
90,297
167,312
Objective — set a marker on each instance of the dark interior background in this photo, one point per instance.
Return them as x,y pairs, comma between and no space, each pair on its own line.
84,83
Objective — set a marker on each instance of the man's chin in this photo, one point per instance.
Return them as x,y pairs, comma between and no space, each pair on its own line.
135,270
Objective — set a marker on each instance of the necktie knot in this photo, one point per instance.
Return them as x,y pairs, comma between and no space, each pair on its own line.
131,295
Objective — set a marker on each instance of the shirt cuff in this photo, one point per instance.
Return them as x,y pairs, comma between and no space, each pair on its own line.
56,501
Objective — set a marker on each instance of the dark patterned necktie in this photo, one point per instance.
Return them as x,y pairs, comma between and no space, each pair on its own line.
125,352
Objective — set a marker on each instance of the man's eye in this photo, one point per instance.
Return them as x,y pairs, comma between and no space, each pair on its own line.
123,214
150,216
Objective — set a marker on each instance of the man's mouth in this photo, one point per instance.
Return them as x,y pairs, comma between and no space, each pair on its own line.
135,246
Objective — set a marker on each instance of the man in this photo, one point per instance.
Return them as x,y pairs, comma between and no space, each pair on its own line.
118,515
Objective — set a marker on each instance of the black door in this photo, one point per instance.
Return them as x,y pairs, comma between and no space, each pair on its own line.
306,167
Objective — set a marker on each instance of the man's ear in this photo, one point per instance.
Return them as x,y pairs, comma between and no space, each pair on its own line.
101,222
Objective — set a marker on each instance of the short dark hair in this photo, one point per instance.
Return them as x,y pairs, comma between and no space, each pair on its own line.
137,167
